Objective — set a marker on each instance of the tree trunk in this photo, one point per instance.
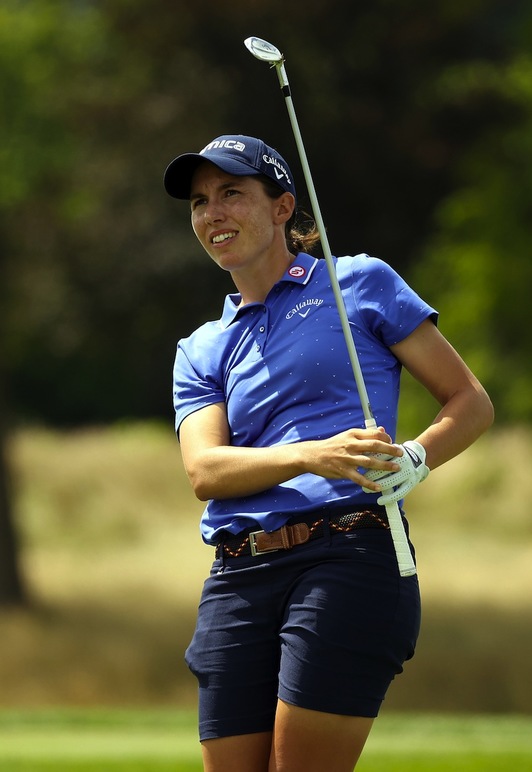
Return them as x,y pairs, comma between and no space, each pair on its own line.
12,589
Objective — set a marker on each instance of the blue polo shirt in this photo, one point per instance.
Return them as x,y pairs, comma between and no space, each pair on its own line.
283,370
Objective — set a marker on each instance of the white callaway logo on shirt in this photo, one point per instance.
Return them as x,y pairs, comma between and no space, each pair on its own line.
303,308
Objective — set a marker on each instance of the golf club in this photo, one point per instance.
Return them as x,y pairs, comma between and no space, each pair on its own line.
267,52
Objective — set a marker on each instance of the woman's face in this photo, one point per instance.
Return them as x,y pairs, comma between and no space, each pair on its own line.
234,219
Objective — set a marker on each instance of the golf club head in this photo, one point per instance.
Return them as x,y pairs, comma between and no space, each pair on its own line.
263,50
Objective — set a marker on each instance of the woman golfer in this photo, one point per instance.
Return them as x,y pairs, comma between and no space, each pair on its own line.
304,620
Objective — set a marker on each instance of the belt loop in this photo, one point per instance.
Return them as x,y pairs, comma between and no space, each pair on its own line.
222,558
327,528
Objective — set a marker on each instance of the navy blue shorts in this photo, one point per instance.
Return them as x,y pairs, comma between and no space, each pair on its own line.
325,626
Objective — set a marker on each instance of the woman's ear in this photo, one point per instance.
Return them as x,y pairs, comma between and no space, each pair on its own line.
284,207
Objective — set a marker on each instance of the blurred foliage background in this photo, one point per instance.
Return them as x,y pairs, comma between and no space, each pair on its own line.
417,119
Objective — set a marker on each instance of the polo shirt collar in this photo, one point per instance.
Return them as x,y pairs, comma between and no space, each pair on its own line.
301,269
299,272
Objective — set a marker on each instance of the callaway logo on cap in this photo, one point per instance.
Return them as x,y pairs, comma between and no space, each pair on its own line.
234,154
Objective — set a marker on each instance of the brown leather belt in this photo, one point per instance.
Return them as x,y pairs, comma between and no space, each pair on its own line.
252,542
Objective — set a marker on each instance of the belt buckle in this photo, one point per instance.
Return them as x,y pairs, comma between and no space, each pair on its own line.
253,545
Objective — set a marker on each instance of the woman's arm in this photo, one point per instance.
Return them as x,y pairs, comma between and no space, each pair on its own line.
466,408
218,470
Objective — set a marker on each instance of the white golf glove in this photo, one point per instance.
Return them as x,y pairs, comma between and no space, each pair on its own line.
395,485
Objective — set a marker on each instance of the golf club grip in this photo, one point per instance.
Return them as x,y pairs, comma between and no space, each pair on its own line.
405,561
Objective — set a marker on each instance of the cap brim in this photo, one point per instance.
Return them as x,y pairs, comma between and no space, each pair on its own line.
179,173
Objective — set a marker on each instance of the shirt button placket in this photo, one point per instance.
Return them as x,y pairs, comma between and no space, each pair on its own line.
262,333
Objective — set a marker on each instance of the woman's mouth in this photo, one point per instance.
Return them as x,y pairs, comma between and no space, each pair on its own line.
221,237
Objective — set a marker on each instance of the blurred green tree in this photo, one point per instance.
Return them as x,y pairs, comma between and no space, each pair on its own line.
44,48
480,249
101,96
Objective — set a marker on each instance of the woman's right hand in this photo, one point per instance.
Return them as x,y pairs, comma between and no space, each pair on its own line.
348,454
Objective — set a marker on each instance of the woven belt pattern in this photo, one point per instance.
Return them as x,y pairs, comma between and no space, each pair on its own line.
289,536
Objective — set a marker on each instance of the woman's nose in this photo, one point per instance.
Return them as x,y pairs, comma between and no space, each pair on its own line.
213,213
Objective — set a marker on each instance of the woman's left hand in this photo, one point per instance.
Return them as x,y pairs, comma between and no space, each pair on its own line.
396,485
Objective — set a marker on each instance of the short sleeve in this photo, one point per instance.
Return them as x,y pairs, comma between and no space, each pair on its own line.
390,308
193,386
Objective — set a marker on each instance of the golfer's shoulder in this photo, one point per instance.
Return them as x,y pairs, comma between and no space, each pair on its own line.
202,341
364,267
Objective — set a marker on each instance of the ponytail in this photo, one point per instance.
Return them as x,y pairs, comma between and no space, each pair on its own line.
301,233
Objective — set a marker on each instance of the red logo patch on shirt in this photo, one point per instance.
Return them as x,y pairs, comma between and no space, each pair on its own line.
297,271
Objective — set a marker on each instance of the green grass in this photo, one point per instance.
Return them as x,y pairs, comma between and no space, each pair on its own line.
454,743
99,740
160,740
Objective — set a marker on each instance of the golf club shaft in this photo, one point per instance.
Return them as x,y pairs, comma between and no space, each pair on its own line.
353,356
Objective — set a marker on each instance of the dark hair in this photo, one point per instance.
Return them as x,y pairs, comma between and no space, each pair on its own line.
301,232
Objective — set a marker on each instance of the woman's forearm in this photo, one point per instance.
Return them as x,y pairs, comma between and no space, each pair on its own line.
467,415
221,471
232,472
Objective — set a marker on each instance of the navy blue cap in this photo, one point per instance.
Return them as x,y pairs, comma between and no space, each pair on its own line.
234,154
